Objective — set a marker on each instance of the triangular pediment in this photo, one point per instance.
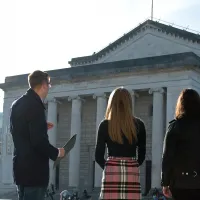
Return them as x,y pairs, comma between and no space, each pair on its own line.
148,39
149,45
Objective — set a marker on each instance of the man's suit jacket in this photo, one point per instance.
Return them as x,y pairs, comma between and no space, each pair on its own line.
32,149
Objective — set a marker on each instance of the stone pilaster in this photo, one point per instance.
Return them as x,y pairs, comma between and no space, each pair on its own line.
171,100
134,95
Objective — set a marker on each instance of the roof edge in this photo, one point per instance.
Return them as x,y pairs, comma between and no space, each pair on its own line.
194,37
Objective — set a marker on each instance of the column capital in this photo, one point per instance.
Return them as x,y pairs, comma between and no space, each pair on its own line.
102,94
133,93
75,97
159,90
53,100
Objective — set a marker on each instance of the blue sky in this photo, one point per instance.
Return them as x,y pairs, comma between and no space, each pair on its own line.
46,34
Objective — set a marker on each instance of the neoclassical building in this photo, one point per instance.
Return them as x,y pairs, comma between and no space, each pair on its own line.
154,61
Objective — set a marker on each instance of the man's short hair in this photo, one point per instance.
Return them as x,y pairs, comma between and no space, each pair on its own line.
37,78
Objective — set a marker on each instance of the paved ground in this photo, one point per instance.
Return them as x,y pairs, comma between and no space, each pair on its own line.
11,196
14,197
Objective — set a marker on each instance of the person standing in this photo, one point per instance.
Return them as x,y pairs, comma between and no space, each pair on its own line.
125,137
32,149
181,161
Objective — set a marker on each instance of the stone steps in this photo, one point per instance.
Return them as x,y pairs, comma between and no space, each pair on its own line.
9,195
7,189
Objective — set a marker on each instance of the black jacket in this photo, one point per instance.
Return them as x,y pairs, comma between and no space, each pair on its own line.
120,150
181,154
32,149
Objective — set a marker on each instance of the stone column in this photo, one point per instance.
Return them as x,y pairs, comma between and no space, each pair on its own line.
171,100
134,95
52,117
100,115
157,135
74,155
7,145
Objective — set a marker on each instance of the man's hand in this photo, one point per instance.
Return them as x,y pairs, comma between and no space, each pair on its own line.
167,192
61,152
49,125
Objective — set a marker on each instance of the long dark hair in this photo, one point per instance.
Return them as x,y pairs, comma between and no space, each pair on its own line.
188,104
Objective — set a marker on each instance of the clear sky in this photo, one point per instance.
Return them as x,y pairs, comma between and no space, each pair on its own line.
46,34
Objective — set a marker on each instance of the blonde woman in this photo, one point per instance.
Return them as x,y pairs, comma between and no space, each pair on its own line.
125,137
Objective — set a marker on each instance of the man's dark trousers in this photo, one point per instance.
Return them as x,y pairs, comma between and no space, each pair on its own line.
31,193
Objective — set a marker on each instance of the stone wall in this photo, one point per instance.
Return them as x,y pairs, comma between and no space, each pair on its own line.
88,139
64,126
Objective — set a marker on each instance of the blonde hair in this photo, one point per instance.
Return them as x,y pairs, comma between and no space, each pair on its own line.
119,114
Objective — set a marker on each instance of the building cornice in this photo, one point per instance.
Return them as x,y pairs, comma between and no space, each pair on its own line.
112,69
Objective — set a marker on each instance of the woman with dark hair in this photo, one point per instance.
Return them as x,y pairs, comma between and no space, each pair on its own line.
181,159
125,137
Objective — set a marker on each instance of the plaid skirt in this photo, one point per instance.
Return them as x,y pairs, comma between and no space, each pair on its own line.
121,179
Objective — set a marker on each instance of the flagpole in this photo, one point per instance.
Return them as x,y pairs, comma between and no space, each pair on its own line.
152,10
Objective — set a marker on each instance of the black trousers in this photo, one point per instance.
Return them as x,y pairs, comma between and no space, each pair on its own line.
31,193
185,194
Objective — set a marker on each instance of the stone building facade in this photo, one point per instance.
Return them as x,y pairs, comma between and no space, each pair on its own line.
1,123
154,62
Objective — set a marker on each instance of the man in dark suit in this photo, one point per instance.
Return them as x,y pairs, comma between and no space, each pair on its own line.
32,149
